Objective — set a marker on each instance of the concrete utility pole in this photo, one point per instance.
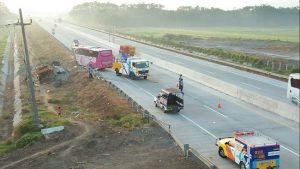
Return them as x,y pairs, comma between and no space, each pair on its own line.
35,118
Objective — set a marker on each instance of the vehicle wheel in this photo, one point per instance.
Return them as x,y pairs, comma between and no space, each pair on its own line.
131,75
145,77
117,72
155,104
221,153
242,165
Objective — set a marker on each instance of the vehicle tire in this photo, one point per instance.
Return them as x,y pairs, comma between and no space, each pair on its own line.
117,72
242,165
221,153
131,75
155,104
145,77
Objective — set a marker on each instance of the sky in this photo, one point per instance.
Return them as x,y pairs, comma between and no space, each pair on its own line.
55,7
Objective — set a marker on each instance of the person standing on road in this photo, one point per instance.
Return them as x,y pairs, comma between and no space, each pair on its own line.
180,83
90,71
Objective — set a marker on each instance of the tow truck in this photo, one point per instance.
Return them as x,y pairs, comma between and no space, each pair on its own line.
131,66
250,150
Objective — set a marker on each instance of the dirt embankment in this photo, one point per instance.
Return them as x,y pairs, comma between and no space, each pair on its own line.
92,141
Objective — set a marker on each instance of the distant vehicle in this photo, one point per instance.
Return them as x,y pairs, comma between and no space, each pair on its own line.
250,150
170,100
75,43
96,57
53,31
293,88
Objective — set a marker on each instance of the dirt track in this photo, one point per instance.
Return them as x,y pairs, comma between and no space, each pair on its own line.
100,146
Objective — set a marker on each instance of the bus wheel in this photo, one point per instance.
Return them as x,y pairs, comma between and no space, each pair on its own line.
242,165
221,153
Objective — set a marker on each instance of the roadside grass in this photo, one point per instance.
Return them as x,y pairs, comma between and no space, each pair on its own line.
54,101
289,34
129,121
26,134
3,38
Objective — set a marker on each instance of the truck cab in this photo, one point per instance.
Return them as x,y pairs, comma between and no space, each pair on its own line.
250,150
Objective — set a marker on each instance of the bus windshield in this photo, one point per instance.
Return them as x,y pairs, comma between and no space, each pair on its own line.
295,83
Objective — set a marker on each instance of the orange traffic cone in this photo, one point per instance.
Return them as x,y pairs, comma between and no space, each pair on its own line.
219,104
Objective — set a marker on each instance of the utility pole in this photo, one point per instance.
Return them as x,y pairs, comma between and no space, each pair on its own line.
35,118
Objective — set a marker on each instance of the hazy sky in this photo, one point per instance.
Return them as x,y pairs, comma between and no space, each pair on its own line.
58,6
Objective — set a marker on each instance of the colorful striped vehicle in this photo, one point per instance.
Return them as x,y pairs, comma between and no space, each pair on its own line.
250,150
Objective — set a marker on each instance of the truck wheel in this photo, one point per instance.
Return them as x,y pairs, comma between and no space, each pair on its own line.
131,75
165,111
117,72
242,165
145,77
221,153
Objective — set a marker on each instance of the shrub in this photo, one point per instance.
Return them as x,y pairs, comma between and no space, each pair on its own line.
53,101
28,139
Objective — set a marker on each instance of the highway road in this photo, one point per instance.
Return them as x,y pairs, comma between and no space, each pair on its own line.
201,121
260,84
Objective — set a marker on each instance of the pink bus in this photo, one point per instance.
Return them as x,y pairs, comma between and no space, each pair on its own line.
96,57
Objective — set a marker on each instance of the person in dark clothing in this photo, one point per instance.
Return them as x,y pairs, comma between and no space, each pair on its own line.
180,83
90,71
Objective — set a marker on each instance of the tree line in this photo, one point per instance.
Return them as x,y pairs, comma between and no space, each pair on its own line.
4,12
185,16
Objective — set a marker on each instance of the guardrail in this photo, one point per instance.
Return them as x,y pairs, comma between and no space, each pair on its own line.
167,127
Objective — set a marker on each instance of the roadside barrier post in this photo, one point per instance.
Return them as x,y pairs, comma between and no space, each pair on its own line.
186,148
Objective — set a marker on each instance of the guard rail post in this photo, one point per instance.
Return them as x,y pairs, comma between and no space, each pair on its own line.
186,148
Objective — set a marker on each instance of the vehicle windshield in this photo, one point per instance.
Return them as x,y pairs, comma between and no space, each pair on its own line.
142,65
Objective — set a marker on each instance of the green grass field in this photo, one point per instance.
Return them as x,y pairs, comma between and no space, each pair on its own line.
290,34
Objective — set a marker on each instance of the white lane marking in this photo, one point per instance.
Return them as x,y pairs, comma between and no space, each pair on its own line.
215,111
290,150
250,85
140,88
209,72
198,126
253,78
